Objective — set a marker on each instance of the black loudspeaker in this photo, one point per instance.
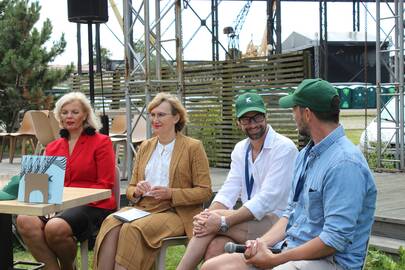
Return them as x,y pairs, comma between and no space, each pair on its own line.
88,11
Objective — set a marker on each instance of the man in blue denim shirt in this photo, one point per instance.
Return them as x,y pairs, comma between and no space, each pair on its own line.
331,206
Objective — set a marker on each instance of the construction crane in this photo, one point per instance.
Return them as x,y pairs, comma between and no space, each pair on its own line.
117,14
233,31
253,50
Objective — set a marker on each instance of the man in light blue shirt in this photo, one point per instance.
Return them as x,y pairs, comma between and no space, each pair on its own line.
332,202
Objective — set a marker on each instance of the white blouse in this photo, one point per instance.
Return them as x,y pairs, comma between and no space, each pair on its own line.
157,169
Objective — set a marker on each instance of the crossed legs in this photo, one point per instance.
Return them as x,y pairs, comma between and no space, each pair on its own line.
211,245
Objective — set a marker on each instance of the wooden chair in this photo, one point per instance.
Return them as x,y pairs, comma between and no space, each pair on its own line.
84,246
118,133
120,140
54,124
25,133
4,136
118,126
43,130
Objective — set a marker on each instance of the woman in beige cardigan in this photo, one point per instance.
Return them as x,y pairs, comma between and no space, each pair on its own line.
170,179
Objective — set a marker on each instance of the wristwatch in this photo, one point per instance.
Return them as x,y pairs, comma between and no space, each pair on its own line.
224,227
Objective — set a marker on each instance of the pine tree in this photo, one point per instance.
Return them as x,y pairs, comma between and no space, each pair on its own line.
24,59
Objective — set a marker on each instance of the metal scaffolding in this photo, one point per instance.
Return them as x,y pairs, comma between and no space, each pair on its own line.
274,26
396,20
142,64
156,49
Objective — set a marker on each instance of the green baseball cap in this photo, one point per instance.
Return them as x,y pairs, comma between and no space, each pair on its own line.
249,102
10,191
316,94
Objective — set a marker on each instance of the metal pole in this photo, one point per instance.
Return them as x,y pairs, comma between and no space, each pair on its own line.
98,49
130,36
147,64
157,41
397,75
323,30
378,82
91,70
278,26
269,23
214,32
79,49
179,49
127,25
401,83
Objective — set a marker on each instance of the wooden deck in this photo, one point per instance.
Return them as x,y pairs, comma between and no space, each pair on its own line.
391,195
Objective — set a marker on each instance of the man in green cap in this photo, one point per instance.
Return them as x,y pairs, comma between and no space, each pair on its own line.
332,201
260,174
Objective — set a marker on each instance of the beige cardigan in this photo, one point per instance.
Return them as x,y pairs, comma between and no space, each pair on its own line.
189,178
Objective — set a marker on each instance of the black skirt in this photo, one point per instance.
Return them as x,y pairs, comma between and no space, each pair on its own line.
84,220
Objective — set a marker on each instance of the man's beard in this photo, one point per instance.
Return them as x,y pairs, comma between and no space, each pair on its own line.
303,130
257,135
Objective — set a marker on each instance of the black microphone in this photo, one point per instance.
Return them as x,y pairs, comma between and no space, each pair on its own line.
232,247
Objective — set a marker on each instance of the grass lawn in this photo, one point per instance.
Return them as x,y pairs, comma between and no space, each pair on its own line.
376,260
173,257
354,135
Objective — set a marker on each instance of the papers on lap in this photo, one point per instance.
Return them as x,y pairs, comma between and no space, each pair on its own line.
130,215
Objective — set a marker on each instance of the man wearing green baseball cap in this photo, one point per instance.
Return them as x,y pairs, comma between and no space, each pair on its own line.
332,201
260,174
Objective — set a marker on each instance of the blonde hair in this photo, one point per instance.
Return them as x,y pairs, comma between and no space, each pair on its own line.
175,104
91,120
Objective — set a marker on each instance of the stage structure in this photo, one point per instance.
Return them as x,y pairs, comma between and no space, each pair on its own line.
396,20
156,55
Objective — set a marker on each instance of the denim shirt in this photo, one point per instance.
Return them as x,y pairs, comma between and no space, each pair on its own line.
337,202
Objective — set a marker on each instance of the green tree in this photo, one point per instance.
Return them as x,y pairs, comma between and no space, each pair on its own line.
24,59
105,55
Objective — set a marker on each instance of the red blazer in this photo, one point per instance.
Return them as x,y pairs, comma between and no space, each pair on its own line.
91,165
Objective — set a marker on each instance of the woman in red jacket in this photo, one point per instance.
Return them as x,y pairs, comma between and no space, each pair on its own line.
90,164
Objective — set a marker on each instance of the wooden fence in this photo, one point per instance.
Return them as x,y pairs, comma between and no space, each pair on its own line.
210,89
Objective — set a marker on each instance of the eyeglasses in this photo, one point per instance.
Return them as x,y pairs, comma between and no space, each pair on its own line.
157,116
257,118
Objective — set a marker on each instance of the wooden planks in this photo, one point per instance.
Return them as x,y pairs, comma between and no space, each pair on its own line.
390,198
210,89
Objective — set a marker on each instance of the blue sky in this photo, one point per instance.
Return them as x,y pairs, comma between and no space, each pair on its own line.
296,16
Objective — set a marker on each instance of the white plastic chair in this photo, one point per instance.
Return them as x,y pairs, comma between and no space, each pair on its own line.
167,242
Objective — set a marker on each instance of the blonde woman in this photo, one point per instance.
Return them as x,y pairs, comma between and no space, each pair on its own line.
170,179
91,164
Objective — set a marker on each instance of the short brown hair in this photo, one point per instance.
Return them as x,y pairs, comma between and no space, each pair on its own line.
175,104
333,114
